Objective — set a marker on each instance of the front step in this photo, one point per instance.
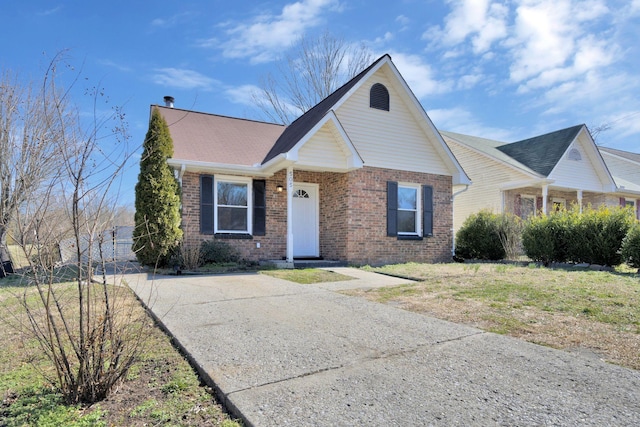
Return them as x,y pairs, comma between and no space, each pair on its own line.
317,263
308,263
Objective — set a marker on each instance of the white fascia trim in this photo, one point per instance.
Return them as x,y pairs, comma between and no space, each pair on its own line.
521,184
197,166
353,158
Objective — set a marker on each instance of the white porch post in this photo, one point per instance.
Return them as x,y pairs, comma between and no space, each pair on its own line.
580,200
290,214
545,196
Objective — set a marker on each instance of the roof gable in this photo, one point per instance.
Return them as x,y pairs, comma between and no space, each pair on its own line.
542,153
326,147
303,124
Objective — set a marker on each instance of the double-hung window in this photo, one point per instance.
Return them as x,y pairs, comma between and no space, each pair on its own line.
232,196
408,209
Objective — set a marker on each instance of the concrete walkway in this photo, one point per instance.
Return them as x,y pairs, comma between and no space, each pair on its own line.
280,353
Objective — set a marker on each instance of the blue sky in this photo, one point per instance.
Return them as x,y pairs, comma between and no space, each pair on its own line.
502,70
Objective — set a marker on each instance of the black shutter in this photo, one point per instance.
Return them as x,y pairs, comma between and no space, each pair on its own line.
427,210
259,207
392,208
206,204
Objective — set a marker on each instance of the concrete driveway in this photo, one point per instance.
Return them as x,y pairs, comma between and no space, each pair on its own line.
280,353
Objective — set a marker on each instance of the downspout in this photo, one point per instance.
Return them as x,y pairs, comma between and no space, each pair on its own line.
453,234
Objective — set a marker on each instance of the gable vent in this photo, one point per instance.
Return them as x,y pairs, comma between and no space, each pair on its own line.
574,154
379,97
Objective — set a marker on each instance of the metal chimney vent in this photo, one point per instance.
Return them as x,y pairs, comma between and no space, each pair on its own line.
168,101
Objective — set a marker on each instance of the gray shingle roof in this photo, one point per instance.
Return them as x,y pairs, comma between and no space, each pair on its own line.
542,153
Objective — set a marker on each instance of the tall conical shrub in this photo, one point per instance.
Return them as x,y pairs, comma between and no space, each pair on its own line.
157,220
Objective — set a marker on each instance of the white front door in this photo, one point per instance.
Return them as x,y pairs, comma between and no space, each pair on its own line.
305,222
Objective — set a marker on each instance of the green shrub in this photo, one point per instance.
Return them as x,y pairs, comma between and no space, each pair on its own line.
596,236
542,238
218,252
631,247
479,238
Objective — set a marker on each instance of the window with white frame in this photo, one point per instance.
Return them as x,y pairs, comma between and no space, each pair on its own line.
409,209
232,197
527,206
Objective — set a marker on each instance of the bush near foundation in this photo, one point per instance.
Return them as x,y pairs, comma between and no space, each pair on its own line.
479,238
545,237
631,247
218,252
594,236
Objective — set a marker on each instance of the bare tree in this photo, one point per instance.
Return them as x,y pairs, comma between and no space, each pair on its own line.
89,330
311,71
595,131
29,154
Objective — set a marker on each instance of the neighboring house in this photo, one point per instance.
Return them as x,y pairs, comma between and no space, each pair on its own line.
537,174
625,169
363,177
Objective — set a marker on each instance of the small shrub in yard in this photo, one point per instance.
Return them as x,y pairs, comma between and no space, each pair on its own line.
544,238
510,233
596,236
479,238
631,247
218,252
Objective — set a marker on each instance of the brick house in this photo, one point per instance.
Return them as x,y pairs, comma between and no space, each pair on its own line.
363,177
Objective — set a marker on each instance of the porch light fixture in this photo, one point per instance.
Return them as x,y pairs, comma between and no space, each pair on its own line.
279,188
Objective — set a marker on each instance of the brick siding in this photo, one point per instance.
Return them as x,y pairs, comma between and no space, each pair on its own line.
353,211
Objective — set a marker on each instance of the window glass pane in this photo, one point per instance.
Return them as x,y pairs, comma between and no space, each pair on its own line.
233,194
232,219
527,207
406,222
407,198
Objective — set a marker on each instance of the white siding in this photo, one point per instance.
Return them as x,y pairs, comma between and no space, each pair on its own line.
389,139
625,169
580,174
322,151
487,176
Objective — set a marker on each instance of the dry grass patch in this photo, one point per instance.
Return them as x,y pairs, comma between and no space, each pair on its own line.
585,311
160,389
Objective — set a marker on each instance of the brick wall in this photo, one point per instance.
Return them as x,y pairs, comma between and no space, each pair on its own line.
367,241
352,218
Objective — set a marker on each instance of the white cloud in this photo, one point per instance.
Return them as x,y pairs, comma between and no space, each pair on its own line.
551,41
266,35
462,121
244,94
482,21
183,79
419,75
404,22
